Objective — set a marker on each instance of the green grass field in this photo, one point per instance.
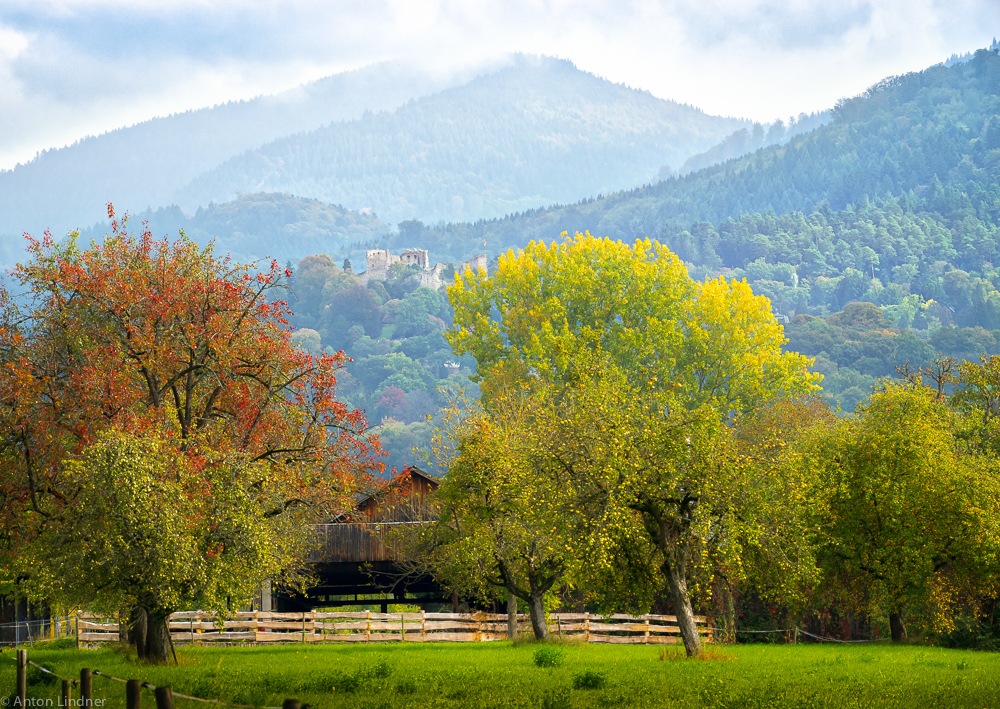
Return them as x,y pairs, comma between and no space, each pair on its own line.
503,675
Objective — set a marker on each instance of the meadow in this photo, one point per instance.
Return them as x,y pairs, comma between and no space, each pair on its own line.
502,674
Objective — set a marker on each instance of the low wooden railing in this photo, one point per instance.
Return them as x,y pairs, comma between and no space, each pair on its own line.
368,627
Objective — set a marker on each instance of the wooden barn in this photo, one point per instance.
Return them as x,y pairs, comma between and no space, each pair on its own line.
353,565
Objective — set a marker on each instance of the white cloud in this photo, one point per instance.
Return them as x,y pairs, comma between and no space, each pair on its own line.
73,67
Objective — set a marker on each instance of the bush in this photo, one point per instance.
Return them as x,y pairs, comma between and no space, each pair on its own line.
548,656
590,680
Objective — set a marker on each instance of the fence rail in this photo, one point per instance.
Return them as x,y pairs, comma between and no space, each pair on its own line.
369,627
28,632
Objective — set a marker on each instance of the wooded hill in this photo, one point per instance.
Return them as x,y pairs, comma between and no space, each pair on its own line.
894,203
532,132
144,165
891,141
537,132
257,226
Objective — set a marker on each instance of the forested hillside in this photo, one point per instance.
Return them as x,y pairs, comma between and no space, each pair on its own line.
256,226
535,133
403,370
875,236
894,139
144,165
744,141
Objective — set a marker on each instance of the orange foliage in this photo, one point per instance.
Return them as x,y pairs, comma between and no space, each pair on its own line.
159,338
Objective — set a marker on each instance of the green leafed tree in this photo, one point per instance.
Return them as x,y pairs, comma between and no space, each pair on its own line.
685,357
907,514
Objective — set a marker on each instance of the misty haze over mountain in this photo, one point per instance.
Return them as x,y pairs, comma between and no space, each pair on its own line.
144,165
384,139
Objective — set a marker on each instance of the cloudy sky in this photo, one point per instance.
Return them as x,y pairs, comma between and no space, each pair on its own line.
70,68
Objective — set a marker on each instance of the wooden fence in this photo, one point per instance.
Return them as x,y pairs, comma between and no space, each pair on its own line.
198,627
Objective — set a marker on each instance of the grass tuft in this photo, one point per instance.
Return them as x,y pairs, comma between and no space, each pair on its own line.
707,654
590,679
548,656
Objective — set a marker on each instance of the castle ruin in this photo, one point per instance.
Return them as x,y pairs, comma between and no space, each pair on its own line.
378,261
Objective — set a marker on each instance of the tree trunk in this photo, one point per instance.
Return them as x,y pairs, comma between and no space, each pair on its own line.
897,627
536,609
137,630
728,614
157,641
511,615
677,583
124,627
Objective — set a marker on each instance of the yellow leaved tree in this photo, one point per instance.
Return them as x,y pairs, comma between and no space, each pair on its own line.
667,363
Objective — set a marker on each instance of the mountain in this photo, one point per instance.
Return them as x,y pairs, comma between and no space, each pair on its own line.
743,141
534,133
145,164
932,135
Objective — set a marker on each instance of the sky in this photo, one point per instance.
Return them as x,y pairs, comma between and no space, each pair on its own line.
72,68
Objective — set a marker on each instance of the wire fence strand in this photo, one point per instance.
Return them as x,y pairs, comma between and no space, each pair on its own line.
145,685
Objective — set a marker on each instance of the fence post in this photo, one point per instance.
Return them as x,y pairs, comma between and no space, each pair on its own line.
423,625
303,627
22,675
65,693
586,626
86,688
78,630
645,637
164,697
133,694
368,625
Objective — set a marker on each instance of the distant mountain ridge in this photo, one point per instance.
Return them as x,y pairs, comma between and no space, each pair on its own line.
924,131
145,164
534,133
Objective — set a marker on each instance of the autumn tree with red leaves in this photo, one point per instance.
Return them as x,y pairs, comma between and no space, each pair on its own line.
162,440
